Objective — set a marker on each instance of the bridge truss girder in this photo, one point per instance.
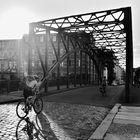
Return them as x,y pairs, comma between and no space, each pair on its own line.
110,29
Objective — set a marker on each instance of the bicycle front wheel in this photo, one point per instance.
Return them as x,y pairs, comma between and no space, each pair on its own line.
21,109
38,105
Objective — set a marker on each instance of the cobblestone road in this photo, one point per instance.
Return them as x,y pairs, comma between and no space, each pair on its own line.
60,121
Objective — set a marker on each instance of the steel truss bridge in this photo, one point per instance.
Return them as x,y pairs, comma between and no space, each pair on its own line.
88,33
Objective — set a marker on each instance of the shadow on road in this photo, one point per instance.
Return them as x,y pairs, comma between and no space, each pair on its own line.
36,128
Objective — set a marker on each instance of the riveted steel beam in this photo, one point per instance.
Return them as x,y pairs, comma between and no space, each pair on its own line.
129,52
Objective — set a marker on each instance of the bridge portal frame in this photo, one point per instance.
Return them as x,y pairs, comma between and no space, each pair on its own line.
110,29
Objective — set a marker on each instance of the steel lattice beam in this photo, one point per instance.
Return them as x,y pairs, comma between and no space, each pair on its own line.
105,26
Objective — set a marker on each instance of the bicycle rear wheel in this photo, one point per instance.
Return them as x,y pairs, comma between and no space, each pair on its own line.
38,105
21,109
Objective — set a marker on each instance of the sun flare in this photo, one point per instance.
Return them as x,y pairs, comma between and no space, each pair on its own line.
15,22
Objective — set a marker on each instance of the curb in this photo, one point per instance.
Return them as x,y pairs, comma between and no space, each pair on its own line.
11,101
101,130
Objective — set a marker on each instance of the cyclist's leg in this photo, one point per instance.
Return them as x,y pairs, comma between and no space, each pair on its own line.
26,105
101,89
105,90
26,95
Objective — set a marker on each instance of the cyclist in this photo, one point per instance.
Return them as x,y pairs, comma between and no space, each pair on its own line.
29,83
103,86
31,88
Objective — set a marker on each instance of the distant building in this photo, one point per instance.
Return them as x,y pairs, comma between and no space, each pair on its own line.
9,58
136,75
14,58
119,74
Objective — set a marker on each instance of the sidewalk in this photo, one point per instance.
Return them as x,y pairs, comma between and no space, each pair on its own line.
15,96
10,97
86,95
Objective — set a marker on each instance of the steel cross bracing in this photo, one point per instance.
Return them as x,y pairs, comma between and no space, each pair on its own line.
67,41
110,29
106,28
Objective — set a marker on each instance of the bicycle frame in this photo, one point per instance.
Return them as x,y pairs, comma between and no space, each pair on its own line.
30,100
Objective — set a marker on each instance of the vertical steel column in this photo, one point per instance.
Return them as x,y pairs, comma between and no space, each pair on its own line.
81,76
74,69
86,70
93,70
29,57
129,52
68,63
31,33
46,57
89,71
58,67
19,58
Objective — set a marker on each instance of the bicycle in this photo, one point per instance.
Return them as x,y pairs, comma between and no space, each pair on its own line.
29,130
24,106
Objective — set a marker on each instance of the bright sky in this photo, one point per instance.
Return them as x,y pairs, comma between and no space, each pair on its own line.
16,14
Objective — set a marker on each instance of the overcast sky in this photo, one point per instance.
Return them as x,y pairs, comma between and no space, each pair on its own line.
36,10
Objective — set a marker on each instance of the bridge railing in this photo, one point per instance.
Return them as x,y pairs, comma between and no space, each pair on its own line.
9,85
